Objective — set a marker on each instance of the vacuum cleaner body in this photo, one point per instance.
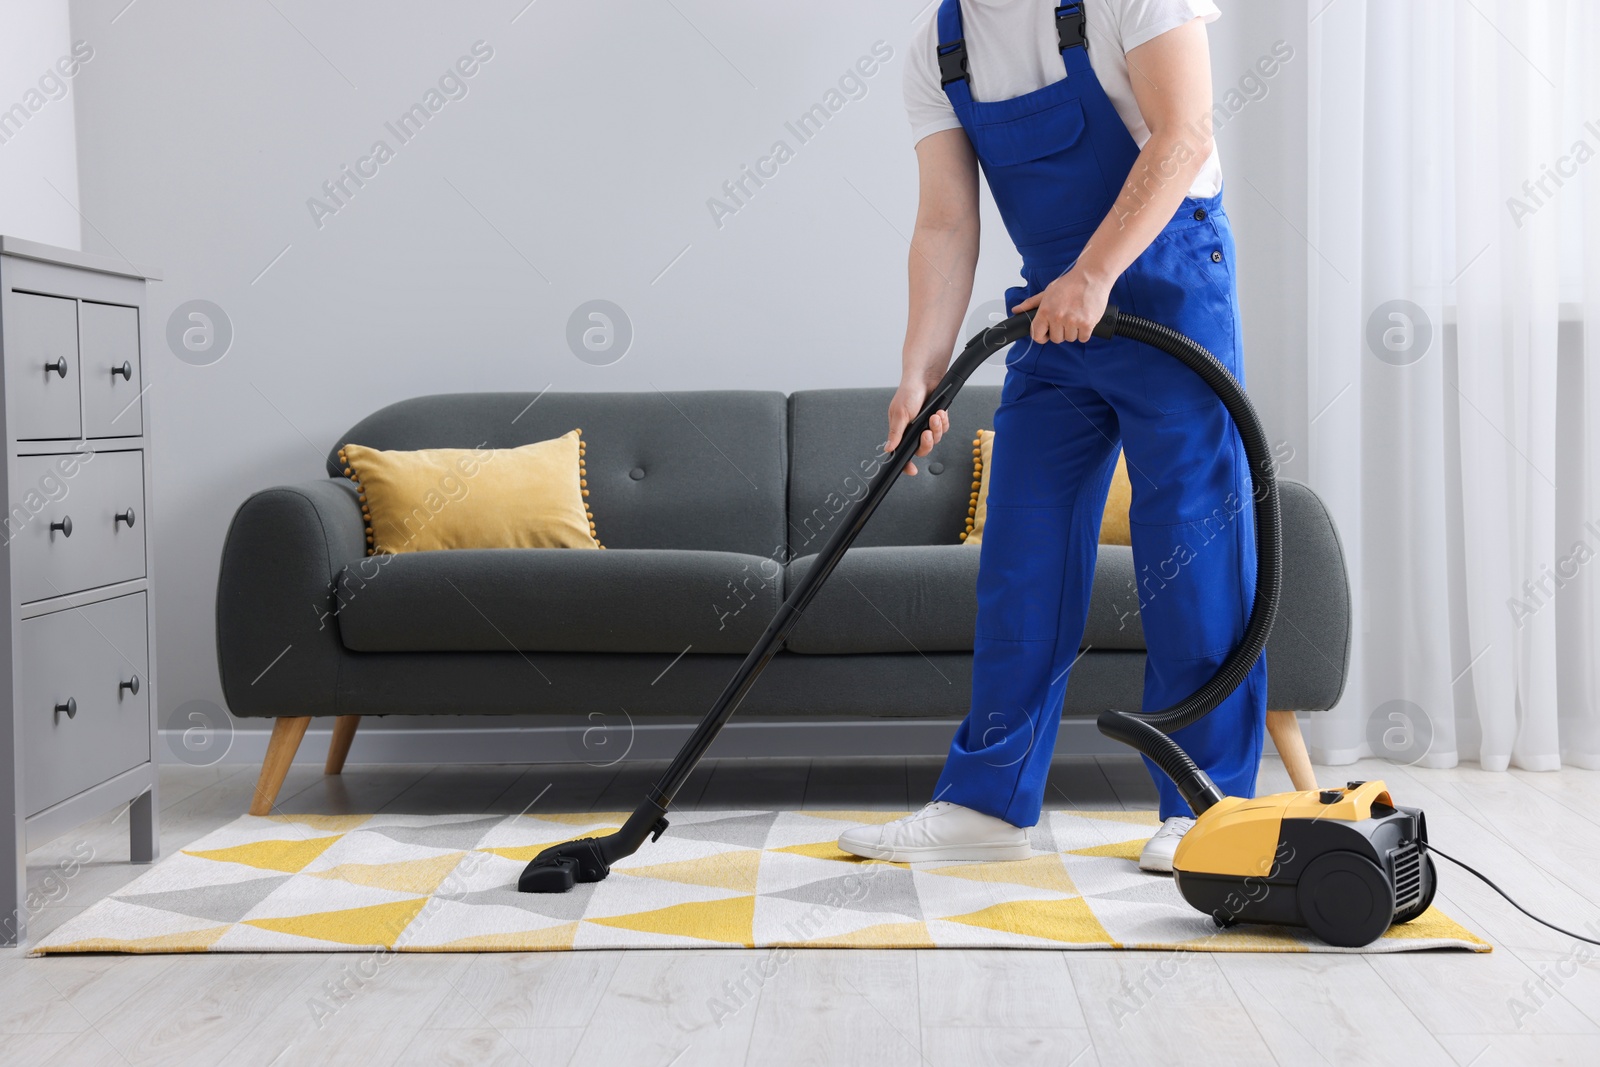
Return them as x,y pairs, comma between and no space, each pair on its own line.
1344,863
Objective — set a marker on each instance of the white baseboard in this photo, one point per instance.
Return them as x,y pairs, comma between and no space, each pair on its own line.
603,745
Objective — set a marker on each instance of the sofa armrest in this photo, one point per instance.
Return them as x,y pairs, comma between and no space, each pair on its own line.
278,647
1308,653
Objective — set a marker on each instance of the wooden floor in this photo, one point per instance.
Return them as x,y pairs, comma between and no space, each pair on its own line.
1536,999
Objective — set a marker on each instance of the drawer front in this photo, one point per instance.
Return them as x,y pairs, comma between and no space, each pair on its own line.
85,655
108,351
97,498
41,331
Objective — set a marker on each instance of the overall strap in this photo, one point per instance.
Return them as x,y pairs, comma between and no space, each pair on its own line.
1072,36
1072,40
952,55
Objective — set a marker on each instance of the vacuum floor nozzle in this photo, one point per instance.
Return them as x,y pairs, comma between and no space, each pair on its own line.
588,859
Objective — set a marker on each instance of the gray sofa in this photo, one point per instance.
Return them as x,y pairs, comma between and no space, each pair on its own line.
710,504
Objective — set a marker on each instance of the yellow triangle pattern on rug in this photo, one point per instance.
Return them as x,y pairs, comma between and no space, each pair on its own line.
375,924
161,944
546,939
1043,871
900,935
725,870
730,921
1117,850
1070,920
417,883
1433,923
1241,939
273,855
407,876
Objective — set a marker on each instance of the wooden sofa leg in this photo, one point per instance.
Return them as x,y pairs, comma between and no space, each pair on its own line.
1285,730
344,731
286,735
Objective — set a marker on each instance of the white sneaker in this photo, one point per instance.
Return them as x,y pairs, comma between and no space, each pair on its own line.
1158,851
941,831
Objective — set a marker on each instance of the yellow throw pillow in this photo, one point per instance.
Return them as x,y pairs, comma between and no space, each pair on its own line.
1113,523
437,498
978,503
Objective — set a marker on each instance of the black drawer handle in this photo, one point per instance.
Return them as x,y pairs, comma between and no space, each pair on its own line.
59,366
70,707
65,526
131,685
123,516
126,370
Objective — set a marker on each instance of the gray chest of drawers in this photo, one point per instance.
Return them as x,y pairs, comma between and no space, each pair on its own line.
78,654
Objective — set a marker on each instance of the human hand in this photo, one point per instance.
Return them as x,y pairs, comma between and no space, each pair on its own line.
1069,307
905,405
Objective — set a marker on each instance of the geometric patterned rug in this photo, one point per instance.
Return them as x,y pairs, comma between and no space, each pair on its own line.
447,883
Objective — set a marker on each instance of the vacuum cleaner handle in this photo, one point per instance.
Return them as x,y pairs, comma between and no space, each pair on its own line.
977,351
987,342
974,354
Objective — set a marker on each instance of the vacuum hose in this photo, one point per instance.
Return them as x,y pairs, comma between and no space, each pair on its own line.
1148,732
589,859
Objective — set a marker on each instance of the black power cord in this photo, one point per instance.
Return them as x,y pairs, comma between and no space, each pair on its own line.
1430,847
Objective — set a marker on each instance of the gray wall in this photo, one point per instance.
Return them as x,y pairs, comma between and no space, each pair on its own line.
577,165
38,148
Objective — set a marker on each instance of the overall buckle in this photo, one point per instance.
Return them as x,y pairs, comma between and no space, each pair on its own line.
953,62
1070,23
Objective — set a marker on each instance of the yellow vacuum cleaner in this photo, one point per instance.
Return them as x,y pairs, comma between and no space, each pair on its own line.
1344,863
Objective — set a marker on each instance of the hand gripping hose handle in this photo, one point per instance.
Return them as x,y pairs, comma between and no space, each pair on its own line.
589,859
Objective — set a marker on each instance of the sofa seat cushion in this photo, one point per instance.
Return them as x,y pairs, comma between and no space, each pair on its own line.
557,600
924,598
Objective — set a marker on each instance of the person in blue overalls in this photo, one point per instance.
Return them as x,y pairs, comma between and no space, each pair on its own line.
1091,123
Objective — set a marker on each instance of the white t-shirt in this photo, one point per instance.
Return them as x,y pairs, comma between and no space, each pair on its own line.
1011,50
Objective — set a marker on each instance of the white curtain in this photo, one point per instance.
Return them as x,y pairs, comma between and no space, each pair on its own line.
1454,376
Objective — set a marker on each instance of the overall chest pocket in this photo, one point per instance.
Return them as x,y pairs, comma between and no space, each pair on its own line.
1043,170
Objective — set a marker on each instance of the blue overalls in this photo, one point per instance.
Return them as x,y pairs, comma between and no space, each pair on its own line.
1055,160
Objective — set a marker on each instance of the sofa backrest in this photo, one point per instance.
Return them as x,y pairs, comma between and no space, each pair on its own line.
837,434
697,470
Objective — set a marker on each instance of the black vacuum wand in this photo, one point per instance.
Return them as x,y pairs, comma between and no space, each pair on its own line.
589,859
